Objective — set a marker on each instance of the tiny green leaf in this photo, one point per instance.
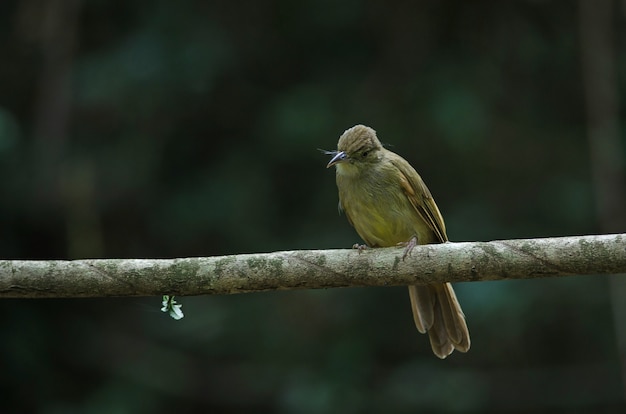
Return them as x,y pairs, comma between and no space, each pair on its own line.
170,306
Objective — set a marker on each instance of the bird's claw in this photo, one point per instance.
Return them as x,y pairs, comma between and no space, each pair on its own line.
409,246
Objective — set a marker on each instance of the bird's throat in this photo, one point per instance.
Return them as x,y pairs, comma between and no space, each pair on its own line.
347,169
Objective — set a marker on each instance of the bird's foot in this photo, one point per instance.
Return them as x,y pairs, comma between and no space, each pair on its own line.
409,246
360,247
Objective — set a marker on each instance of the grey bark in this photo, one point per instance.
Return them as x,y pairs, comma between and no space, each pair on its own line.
315,269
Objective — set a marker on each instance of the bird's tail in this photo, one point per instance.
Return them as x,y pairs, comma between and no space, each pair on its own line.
436,310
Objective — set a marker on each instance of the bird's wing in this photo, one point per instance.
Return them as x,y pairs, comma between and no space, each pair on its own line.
420,197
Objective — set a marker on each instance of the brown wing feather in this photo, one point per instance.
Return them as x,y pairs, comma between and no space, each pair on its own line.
420,197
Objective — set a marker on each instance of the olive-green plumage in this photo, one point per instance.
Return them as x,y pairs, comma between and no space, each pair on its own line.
387,202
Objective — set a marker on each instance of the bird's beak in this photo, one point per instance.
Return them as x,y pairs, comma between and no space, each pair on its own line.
338,156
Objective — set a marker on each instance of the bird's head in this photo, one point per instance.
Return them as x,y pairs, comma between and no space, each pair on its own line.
357,148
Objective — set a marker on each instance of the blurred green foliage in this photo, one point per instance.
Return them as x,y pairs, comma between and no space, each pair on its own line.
167,129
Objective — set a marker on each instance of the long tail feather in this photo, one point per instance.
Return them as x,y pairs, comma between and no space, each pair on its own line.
436,310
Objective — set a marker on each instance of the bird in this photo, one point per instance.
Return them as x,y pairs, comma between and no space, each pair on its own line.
388,204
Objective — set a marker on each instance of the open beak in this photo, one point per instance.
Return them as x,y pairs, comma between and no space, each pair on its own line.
338,156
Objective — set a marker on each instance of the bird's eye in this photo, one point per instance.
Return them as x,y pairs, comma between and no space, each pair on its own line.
364,154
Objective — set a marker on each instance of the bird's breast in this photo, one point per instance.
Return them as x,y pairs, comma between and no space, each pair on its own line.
379,210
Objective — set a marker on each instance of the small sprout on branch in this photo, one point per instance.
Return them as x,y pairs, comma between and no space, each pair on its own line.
170,306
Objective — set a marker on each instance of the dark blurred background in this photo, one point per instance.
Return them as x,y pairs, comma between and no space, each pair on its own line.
158,129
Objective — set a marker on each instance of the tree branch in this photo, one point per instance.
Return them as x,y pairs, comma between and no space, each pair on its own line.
315,269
